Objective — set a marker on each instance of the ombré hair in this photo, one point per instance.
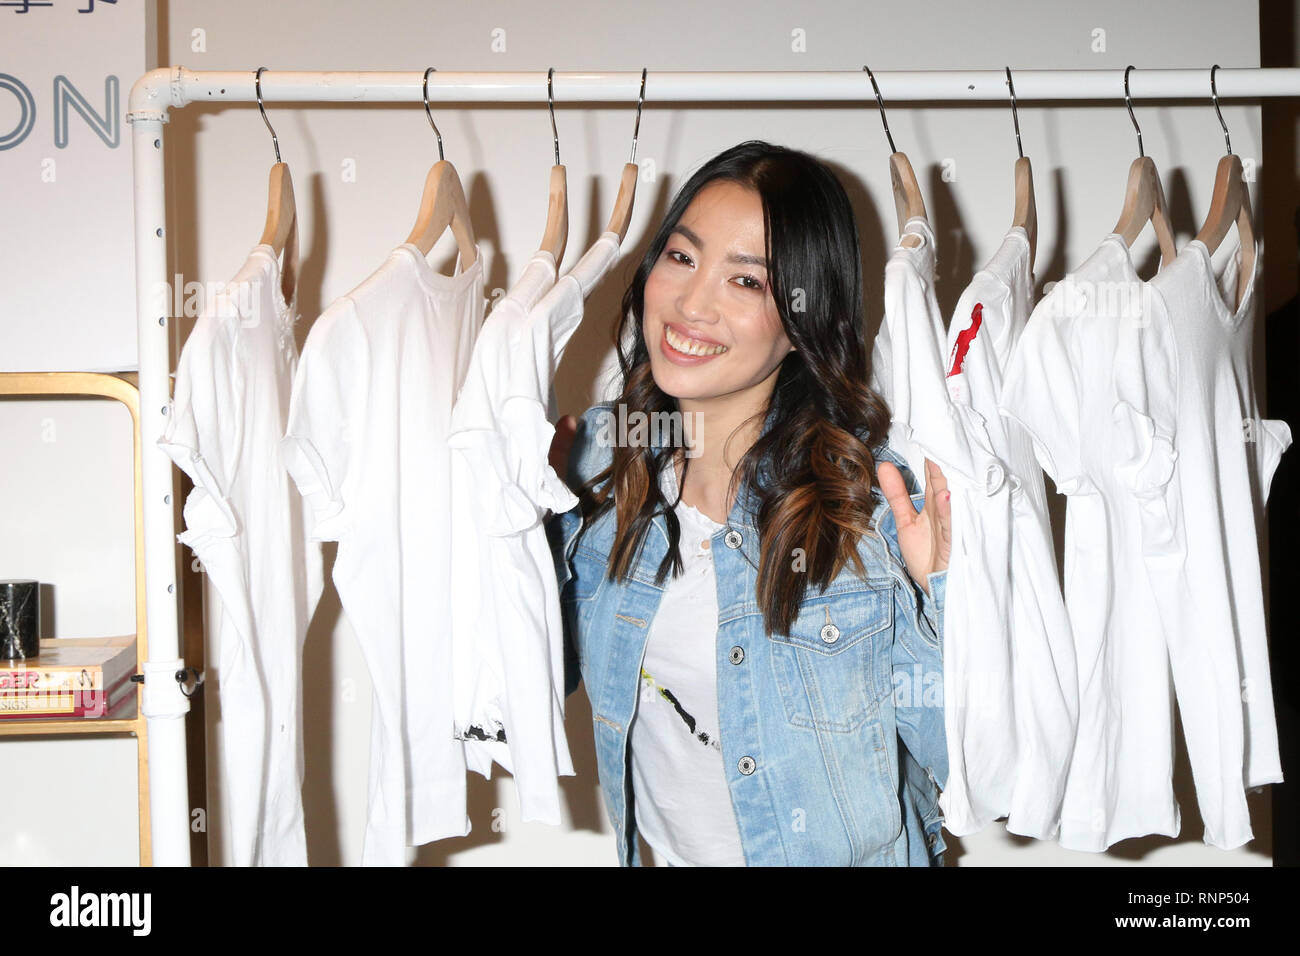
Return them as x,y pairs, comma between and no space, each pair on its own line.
812,470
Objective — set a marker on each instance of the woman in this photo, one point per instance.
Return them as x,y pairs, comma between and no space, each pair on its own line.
756,646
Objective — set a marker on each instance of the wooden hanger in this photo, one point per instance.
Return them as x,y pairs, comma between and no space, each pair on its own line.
557,206
908,202
1144,201
1025,214
281,229
281,210
1230,203
556,235
1026,211
443,203
1144,197
622,215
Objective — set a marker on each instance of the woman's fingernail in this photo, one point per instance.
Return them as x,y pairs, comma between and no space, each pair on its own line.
947,495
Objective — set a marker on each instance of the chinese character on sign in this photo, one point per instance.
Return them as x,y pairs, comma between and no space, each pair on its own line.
26,5
91,7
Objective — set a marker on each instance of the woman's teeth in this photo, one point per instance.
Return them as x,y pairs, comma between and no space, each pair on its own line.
691,346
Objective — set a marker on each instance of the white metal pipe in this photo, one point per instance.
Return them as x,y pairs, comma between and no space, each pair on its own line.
165,708
178,86
164,705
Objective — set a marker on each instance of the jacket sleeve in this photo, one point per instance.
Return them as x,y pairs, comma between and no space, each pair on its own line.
561,529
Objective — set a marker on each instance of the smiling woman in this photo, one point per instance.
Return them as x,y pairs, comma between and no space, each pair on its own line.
708,296
743,601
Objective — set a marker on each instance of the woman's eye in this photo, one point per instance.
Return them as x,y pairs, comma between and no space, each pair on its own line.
752,283
684,260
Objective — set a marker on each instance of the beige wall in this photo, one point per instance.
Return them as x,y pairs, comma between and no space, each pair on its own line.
219,155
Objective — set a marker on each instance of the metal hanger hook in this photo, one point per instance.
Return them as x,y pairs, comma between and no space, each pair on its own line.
1214,95
881,104
257,83
640,100
550,102
1015,117
432,69
1129,103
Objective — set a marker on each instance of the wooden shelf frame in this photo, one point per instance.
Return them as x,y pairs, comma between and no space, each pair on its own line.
122,388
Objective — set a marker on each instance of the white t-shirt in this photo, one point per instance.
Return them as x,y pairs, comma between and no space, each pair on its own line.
1200,466
367,446
1014,620
978,702
515,486
679,784
246,524
1060,385
482,486
907,354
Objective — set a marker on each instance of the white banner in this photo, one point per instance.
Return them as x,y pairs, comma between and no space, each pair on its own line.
67,261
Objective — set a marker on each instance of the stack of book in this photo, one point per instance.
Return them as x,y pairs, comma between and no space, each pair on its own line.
71,677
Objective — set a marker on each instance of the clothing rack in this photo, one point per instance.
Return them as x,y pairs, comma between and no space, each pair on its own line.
159,91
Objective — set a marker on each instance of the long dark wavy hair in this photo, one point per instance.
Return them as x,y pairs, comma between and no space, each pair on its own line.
812,469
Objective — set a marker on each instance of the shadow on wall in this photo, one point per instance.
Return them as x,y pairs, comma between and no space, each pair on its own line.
320,803
1279,222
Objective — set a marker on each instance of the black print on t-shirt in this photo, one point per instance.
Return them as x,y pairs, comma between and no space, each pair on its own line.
668,695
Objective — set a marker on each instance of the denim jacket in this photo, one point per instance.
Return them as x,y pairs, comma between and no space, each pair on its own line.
810,722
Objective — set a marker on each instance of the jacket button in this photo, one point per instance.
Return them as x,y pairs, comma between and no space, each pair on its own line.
737,654
732,539
830,633
746,765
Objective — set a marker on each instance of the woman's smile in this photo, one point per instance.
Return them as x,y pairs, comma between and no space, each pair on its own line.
682,348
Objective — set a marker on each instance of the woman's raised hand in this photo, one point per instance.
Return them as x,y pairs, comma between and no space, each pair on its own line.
925,536
566,430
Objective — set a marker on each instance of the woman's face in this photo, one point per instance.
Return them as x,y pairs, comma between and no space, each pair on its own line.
711,325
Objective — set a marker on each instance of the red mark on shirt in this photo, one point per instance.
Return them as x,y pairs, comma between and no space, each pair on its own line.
964,338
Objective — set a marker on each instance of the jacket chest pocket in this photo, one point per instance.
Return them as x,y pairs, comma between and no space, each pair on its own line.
823,667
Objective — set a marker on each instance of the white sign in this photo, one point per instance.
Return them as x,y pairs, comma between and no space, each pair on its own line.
67,260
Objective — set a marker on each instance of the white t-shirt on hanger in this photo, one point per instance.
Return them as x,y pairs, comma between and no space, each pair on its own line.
978,702
1027,644
482,485
246,524
908,344
1060,385
518,487
1200,464
367,446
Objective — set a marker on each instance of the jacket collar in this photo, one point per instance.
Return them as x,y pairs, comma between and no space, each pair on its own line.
743,516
